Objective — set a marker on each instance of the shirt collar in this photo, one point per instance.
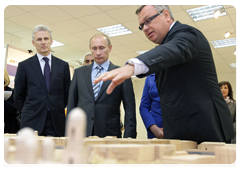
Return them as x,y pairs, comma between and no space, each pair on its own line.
104,65
171,26
40,57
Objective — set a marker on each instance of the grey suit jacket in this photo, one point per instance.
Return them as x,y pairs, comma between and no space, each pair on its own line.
192,104
103,114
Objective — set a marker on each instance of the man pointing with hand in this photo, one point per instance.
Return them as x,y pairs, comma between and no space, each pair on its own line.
192,104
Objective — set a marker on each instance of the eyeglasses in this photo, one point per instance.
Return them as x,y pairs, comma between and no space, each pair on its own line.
87,61
149,20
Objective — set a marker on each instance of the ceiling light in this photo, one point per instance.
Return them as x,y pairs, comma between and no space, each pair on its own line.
235,52
227,34
233,65
56,44
220,12
141,52
224,43
114,30
204,12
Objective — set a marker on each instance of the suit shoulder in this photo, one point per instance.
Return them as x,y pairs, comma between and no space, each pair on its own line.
60,60
26,60
113,65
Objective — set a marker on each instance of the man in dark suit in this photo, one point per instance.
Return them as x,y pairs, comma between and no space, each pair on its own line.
102,110
41,87
191,102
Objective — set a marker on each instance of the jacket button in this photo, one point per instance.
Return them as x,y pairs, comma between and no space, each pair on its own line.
92,118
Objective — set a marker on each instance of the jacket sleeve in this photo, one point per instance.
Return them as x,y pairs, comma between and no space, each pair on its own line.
19,95
66,83
145,106
73,94
130,109
181,47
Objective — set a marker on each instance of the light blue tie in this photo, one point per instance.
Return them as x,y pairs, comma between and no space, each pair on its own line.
96,86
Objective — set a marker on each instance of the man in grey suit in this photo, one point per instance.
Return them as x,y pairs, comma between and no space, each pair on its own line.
192,105
102,110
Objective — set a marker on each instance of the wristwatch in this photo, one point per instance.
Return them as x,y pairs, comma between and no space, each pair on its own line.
129,62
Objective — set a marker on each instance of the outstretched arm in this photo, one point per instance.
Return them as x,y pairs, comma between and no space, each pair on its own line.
117,76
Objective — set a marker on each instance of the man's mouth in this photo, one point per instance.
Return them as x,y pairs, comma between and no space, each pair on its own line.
150,34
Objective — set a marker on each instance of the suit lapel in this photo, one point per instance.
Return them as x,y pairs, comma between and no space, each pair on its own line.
106,83
38,71
54,71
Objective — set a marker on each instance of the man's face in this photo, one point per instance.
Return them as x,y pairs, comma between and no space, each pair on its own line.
159,26
88,60
99,49
42,42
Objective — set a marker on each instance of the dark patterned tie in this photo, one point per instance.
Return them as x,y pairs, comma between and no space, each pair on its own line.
96,86
47,72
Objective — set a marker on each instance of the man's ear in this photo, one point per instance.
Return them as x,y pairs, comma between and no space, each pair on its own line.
33,43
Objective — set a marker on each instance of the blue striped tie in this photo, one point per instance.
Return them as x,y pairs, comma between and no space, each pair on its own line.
96,86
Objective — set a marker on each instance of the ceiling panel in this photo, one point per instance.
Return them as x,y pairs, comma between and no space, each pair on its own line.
99,20
28,20
52,14
12,10
31,7
80,10
12,27
73,26
126,16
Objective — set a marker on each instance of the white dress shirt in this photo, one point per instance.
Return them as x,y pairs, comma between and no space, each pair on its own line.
139,66
42,61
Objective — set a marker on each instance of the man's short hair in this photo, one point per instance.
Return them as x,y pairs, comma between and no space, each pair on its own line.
158,8
101,35
41,28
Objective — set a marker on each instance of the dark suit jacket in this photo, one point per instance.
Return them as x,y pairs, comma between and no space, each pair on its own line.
11,123
192,104
104,113
32,99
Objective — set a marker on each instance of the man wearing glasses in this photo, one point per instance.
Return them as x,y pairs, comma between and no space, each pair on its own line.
191,102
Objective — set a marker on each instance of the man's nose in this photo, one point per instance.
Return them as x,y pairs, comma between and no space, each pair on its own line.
98,51
145,27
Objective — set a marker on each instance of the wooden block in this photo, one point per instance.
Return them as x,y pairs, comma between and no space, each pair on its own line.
163,150
181,153
177,143
189,159
121,154
211,145
159,141
225,154
139,141
187,144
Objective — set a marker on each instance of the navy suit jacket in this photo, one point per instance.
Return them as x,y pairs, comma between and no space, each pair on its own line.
192,105
103,114
32,99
